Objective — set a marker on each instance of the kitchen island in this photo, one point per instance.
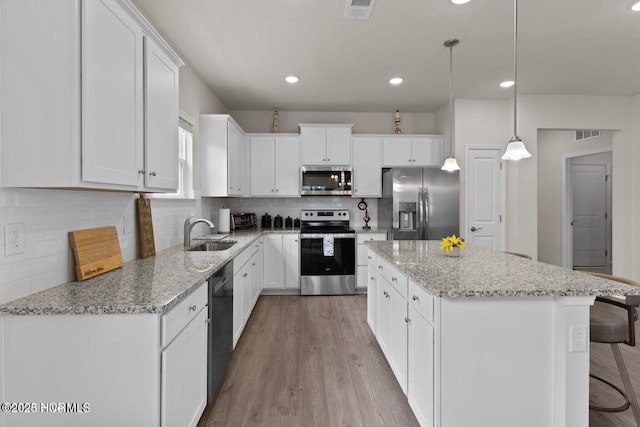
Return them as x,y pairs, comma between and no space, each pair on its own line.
484,339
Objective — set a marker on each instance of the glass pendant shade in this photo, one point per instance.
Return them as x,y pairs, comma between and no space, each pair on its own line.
515,150
450,165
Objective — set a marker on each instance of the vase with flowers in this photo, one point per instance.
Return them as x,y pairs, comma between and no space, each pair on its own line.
452,245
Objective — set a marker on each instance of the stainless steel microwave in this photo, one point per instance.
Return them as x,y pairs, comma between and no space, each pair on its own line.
326,180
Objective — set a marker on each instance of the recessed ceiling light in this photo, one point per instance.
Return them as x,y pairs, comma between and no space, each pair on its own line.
636,6
292,79
460,1
396,80
506,84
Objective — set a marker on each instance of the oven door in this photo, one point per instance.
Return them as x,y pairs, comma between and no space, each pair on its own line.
327,263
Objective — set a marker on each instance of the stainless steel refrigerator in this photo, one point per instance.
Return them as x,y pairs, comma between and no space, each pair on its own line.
420,203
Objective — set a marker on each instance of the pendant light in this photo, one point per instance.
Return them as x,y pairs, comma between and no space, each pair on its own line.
450,164
515,149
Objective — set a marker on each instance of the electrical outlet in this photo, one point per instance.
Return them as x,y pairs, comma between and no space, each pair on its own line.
14,239
578,338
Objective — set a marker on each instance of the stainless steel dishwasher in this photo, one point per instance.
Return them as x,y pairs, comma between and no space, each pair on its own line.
220,343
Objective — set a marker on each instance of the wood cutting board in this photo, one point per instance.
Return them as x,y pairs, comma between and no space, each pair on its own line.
145,227
96,250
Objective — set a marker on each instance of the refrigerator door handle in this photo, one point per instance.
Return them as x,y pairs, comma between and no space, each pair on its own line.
425,200
420,221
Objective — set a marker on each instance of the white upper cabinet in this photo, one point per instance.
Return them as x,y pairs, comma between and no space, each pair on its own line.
84,125
161,136
275,168
367,167
412,150
224,157
112,108
325,144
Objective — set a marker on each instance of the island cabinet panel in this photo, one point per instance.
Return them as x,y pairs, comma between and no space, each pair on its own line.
372,290
472,357
420,367
392,328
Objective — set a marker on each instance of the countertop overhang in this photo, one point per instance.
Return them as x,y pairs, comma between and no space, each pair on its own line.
481,272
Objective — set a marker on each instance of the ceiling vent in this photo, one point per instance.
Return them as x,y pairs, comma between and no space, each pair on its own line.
359,9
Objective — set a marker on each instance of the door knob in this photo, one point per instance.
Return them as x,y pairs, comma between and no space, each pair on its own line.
475,228
573,222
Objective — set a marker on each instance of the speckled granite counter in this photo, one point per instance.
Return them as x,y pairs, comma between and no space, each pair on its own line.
151,285
371,230
480,272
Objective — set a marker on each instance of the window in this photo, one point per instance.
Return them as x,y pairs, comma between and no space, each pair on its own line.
185,164
582,135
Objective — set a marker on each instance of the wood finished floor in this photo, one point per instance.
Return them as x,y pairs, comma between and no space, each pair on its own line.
309,361
313,361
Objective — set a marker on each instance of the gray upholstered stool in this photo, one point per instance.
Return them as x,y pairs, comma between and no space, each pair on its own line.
613,322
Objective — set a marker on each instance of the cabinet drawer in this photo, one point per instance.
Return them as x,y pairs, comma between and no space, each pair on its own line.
241,259
393,276
421,300
179,316
364,237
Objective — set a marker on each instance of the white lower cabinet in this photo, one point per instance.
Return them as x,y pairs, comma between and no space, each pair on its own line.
372,290
247,278
184,375
130,369
282,262
420,372
392,328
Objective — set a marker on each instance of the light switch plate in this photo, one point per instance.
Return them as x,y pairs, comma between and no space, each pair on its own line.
13,239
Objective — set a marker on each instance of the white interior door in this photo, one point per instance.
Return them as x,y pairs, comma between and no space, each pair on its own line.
589,220
484,198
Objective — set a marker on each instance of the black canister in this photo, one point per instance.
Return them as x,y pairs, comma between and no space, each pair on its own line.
266,221
296,223
288,222
277,222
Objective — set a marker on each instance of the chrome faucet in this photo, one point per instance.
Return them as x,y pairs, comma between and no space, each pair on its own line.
188,226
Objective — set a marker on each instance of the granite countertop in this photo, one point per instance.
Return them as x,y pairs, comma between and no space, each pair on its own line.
481,272
151,285
371,230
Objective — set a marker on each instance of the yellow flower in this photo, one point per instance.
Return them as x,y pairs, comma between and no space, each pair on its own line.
448,243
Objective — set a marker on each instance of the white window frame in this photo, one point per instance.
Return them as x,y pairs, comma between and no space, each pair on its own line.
185,165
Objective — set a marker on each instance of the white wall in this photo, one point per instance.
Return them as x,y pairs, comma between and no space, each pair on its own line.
48,215
491,122
552,146
262,121
196,98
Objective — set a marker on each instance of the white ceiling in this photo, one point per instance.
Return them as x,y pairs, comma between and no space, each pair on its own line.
243,49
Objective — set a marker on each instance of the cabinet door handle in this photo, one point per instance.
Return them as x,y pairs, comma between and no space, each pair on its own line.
415,298
394,279
368,257
253,264
192,307
141,171
380,267
328,160
152,173
277,190
245,274
373,278
406,319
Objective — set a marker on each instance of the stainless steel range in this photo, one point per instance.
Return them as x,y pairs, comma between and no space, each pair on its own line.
327,253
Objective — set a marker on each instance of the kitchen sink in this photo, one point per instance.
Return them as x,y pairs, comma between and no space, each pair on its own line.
214,246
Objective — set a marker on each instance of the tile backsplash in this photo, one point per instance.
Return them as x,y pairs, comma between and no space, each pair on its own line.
48,216
292,206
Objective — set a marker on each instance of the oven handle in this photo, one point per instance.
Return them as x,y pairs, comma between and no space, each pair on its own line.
321,235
